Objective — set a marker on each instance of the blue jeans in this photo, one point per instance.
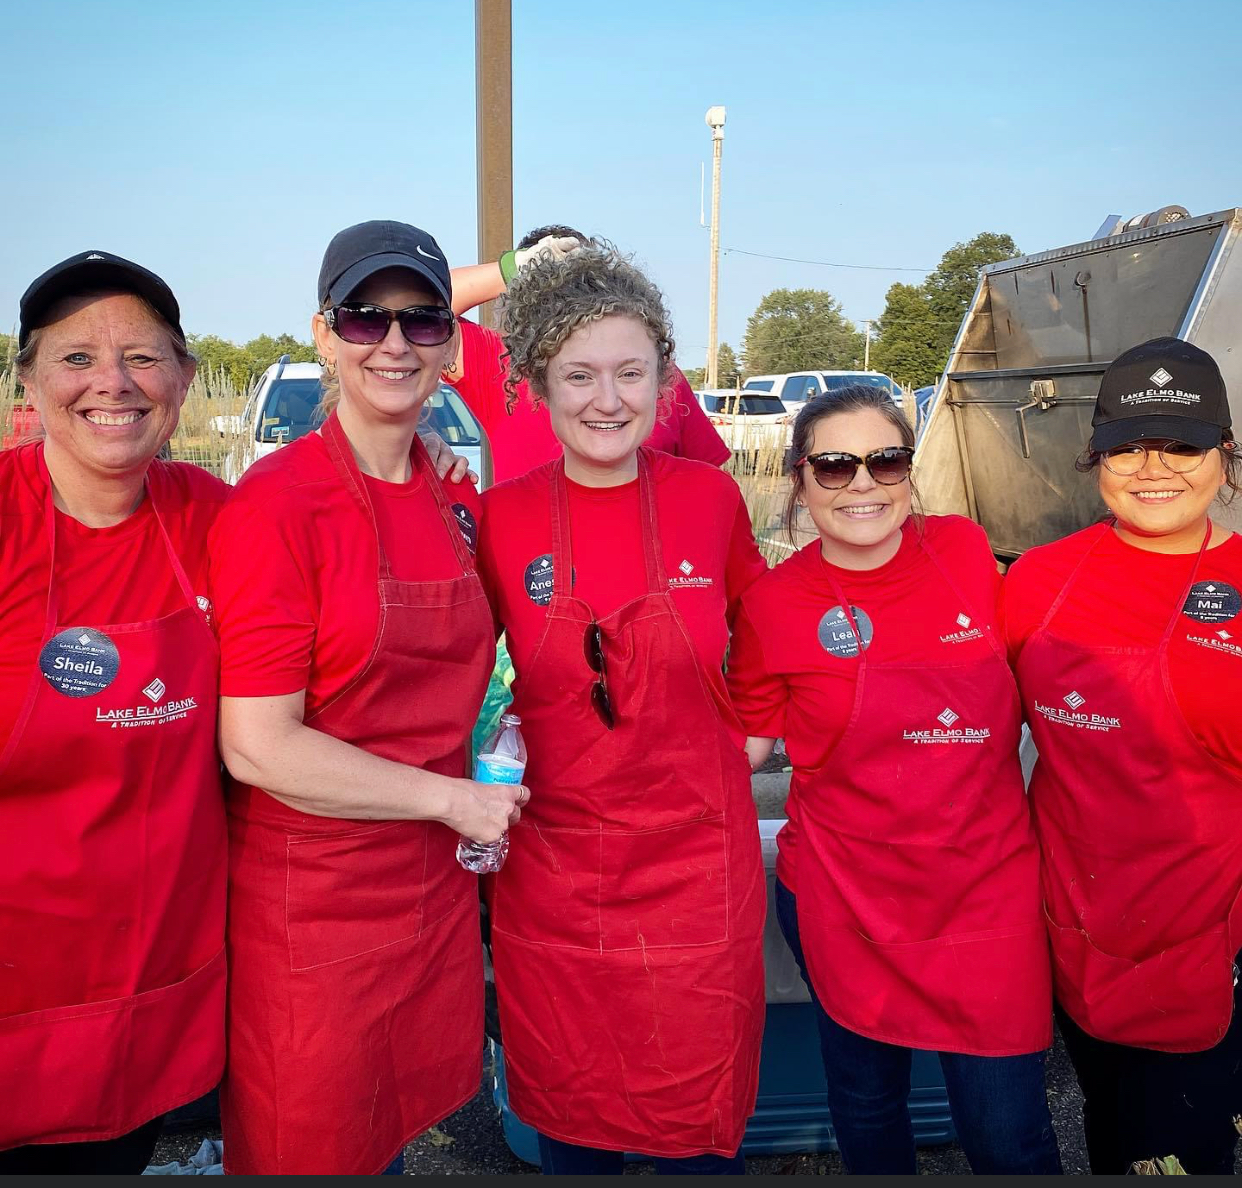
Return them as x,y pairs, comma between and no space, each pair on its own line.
565,1159
999,1104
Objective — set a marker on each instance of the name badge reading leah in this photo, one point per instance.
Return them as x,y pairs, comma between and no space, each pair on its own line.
79,662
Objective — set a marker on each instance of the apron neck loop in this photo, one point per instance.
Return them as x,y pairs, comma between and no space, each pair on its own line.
1190,581
562,543
342,455
49,529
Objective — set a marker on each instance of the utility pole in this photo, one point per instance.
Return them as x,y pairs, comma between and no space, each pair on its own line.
493,102
715,120
867,346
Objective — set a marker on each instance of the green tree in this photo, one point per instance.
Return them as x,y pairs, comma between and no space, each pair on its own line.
696,377
8,350
266,350
919,323
728,370
797,329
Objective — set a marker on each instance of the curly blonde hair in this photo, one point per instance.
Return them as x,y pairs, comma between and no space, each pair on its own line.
550,299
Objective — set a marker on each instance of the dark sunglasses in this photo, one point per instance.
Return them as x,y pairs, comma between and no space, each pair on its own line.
593,646
365,325
888,467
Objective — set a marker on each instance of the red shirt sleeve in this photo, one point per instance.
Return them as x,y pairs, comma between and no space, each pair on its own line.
481,384
745,564
697,439
758,696
263,603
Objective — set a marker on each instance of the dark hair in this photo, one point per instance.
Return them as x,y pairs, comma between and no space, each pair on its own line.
854,398
1089,461
533,237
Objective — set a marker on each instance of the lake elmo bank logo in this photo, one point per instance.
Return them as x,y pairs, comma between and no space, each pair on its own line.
948,718
966,632
687,581
1075,716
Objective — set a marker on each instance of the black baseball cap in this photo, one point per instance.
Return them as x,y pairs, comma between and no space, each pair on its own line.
93,270
1165,388
361,251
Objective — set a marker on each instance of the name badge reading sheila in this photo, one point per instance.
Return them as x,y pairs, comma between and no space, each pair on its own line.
79,662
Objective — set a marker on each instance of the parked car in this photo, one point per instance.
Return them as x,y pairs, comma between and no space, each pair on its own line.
746,421
795,388
285,406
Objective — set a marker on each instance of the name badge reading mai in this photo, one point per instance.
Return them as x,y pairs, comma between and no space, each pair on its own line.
79,662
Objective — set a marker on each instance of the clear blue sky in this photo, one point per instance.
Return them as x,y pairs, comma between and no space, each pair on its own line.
223,143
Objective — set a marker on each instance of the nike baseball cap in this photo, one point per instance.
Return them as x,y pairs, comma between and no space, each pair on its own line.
88,271
361,251
1165,388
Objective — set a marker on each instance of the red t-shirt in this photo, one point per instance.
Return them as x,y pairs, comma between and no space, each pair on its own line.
294,569
705,538
791,671
523,439
1123,596
119,574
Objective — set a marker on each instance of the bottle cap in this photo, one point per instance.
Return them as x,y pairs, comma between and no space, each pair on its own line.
510,720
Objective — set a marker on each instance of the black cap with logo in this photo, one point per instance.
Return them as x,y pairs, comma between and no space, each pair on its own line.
1165,388
361,251
93,270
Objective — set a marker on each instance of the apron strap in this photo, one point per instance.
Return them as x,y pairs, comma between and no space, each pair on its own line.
342,456
562,542
1104,530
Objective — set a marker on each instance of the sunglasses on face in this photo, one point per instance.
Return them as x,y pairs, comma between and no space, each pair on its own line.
593,646
365,325
1177,456
833,471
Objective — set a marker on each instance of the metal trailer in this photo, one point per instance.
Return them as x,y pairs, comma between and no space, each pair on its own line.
1012,412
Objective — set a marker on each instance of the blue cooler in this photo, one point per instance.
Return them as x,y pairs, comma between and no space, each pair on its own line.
791,1115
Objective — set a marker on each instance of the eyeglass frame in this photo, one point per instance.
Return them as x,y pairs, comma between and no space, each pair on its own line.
865,460
394,315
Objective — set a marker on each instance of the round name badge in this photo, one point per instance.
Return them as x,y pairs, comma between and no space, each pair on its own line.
1212,602
538,580
79,662
467,524
836,636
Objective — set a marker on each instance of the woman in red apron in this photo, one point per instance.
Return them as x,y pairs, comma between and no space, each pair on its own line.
356,643
908,883
112,842
626,924
1126,637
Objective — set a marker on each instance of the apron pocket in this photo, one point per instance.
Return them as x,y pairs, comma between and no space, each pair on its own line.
353,892
663,888
1178,1000
615,890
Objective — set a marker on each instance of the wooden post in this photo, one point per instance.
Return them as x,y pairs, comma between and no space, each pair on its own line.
493,98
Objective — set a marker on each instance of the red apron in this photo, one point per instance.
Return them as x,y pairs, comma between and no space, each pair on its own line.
1141,832
918,873
627,922
356,985
113,853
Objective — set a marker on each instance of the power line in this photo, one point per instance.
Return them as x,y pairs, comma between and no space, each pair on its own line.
823,263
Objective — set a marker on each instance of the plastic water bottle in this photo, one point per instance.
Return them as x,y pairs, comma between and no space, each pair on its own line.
502,760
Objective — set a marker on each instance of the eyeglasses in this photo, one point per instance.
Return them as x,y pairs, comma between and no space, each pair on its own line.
1178,456
888,467
364,325
593,646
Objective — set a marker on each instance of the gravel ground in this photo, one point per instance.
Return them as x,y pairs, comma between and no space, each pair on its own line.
470,1142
